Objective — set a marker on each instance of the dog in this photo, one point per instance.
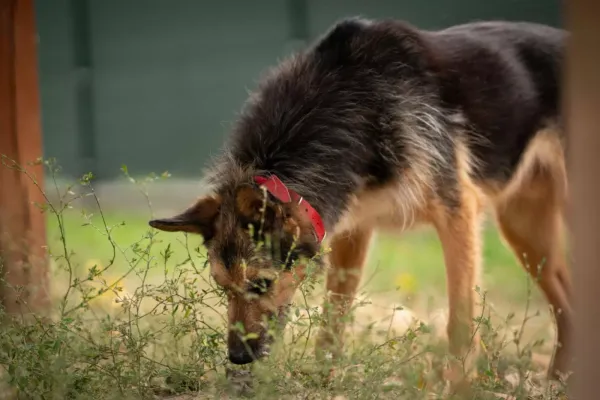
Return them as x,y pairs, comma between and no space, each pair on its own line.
380,125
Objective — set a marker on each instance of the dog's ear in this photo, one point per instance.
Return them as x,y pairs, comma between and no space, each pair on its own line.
199,218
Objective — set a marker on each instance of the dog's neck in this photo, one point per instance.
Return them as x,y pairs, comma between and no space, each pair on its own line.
329,197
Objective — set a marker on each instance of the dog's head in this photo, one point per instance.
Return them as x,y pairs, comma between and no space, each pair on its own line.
258,249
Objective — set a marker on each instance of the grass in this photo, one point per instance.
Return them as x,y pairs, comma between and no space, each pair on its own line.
406,267
137,316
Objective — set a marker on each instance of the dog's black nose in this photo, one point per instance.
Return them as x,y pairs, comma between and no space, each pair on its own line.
240,357
245,351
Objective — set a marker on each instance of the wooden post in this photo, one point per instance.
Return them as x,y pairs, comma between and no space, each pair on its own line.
22,224
582,107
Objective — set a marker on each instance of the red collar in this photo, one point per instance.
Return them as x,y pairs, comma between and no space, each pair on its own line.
278,189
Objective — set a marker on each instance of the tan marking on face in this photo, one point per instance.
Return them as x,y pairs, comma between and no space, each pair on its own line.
291,227
287,284
220,274
239,276
243,273
249,202
266,273
247,312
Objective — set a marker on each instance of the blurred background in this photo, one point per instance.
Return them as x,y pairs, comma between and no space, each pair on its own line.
155,85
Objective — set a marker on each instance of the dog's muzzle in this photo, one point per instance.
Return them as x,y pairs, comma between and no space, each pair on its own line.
244,352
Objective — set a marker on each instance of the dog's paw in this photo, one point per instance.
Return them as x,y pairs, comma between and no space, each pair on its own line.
240,381
327,347
458,380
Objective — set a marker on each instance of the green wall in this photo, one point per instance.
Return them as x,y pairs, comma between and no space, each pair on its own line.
155,84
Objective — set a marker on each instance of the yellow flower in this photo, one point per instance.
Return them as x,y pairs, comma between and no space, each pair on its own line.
111,292
406,282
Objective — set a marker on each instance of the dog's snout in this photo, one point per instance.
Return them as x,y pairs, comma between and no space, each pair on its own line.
243,351
240,357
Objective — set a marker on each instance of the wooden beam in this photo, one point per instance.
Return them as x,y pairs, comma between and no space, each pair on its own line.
582,106
22,224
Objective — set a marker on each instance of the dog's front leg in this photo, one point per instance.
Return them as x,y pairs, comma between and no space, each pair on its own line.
348,255
459,231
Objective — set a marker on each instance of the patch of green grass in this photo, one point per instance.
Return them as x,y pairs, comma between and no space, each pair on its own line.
104,236
418,254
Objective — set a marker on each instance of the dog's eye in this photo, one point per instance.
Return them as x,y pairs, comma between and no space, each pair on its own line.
259,286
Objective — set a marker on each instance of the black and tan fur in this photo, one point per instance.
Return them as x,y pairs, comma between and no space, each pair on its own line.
380,125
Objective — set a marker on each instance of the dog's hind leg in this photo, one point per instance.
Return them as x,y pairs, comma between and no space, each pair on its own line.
531,220
348,255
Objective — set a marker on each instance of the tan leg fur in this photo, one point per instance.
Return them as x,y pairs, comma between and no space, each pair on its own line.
532,223
348,255
458,231
529,210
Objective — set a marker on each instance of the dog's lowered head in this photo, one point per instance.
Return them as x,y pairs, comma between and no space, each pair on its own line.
260,249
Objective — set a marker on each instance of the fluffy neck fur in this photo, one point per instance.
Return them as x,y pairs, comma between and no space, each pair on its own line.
342,115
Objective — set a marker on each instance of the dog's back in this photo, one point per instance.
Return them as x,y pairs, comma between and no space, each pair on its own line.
375,102
505,77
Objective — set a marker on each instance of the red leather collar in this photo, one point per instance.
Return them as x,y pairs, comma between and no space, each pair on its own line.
278,189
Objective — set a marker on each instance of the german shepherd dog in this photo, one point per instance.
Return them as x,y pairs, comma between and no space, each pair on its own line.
381,125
